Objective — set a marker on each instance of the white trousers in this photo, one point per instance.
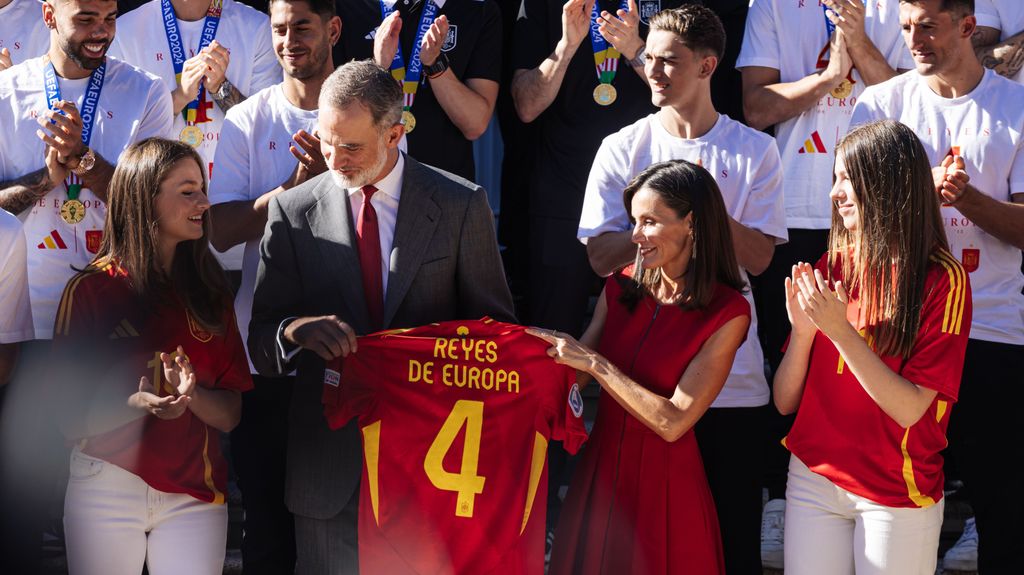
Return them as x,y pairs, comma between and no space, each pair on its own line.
114,522
830,530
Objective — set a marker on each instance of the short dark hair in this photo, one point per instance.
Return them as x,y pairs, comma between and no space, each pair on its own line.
688,188
323,8
365,82
697,26
959,8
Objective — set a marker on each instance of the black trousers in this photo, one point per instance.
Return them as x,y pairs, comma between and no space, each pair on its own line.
773,329
258,449
731,441
987,440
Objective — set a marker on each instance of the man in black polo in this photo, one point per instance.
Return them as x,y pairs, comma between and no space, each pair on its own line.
453,49
556,84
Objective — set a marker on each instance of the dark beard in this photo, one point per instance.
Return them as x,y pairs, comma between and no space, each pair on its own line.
74,53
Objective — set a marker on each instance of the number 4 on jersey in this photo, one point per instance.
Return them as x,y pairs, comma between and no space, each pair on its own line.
466,482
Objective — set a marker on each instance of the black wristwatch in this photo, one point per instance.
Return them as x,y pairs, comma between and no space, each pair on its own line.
438,67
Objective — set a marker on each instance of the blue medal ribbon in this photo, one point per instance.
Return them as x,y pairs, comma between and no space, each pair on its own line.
87,109
174,44
410,76
603,53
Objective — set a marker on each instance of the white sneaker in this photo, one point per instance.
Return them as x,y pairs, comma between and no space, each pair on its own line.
773,521
963,555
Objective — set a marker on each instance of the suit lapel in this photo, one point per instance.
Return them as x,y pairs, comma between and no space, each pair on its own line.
418,215
330,221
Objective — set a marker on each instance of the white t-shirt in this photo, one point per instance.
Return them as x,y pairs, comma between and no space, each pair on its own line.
791,38
244,31
1007,16
15,310
22,30
986,125
252,159
133,105
746,166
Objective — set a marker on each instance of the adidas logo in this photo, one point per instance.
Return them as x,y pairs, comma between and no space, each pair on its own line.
52,242
370,36
124,329
813,145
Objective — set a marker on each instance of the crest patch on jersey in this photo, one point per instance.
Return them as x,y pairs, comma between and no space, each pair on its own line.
576,400
332,377
647,9
451,39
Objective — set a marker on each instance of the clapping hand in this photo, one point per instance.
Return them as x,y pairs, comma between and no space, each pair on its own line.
385,41
576,21
951,179
433,40
623,32
824,308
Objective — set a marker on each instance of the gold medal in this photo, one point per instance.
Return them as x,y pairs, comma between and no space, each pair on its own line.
192,136
409,121
843,90
72,211
605,94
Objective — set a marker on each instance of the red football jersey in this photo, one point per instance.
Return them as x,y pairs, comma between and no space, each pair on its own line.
112,337
455,419
842,434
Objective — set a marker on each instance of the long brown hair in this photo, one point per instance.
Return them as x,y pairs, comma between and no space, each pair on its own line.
886,258
130,235
686,187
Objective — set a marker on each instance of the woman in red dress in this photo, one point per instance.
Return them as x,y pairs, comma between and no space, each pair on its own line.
666,330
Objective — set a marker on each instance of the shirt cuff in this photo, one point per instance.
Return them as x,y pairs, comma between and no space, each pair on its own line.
287,350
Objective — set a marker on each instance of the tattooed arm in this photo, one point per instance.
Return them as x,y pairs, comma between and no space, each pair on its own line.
235,97
19,194
1006,57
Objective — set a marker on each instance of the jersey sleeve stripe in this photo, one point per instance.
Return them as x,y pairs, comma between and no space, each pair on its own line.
952,318
940,409
371,454
218,497
919,499
67,300
540,457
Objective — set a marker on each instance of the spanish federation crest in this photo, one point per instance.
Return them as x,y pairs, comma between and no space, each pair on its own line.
648,8
575,400
451,39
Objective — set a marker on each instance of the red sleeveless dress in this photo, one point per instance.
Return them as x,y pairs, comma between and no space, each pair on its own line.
637,503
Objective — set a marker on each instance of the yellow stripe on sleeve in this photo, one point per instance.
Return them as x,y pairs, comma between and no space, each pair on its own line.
952,319
63,321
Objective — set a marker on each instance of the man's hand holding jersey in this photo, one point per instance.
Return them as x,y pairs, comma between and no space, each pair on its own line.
327,336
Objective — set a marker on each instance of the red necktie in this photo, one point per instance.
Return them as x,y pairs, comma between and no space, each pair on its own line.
369,258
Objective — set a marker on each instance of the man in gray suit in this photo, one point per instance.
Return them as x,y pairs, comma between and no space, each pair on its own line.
429,240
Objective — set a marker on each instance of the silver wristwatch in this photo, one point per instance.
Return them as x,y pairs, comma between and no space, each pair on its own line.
223,92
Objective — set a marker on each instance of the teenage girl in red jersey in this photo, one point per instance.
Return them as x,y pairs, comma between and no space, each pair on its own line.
873,366
150,368
666,330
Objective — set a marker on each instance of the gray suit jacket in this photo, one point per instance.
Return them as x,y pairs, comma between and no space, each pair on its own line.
444,265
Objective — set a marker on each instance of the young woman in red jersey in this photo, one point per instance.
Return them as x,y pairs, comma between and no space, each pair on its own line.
873,365
666,330
150,368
